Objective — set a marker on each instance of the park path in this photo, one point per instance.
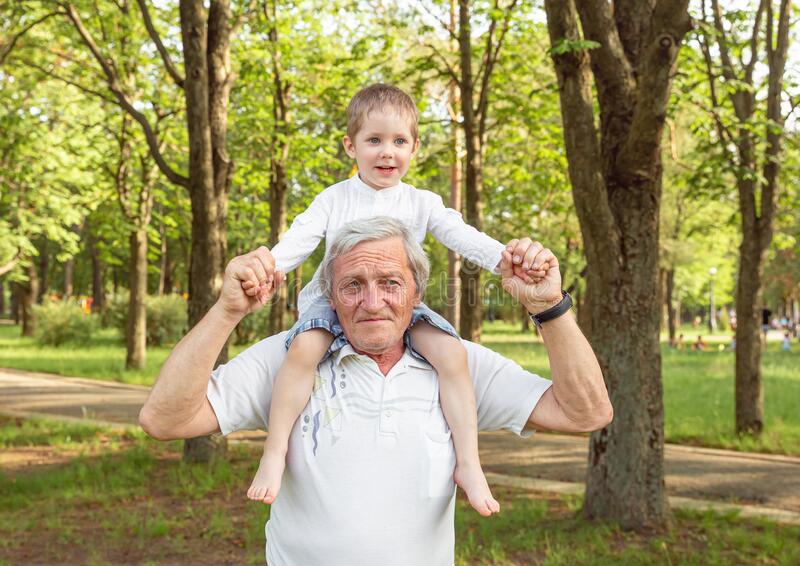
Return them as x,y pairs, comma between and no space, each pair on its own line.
753,484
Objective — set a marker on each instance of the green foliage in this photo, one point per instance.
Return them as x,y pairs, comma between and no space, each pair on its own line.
565,45
166,317
59,323
166,320
252,328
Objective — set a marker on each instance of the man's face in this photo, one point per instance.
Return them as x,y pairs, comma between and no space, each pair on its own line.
374,294
383,148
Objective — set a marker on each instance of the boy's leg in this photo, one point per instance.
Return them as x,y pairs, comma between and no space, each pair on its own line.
447,355
290,394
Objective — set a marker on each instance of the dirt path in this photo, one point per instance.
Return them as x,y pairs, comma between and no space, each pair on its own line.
698,473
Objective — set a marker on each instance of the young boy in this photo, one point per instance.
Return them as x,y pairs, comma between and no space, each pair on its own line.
382,138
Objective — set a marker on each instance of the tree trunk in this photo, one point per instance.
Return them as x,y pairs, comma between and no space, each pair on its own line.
278,194
29,291
453,259
470,274
69,271
98,287
44,269
279,156
136,331
206,53
616,179
15,310
2,298
671,311
163,261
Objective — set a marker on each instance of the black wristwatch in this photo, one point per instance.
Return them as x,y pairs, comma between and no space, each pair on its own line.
553,312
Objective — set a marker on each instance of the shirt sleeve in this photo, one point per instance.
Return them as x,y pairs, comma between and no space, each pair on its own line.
449,228
241,390
304,235
506,394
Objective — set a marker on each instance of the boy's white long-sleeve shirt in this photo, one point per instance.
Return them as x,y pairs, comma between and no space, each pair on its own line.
419,210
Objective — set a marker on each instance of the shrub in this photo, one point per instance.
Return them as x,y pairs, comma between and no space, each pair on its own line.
166,319
115,314
253,327
59,323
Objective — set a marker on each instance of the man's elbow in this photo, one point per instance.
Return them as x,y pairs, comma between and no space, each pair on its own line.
601,418
151,425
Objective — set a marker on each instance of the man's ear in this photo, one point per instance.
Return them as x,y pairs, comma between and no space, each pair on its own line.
349,147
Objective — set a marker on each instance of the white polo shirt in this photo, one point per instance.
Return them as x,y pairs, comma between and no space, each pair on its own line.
369,477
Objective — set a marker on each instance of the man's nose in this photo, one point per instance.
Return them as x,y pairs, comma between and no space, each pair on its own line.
371,299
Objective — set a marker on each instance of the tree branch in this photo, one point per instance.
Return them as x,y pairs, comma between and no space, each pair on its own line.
6,49
151,30
601,235
612,70
748,68
775,130
113,85
82,88
8,266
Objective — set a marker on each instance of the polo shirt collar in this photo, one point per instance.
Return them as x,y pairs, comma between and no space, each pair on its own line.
408,359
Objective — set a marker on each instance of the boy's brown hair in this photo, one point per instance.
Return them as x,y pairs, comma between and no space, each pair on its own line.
378,97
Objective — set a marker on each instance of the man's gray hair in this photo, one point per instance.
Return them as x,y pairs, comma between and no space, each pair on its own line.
372,230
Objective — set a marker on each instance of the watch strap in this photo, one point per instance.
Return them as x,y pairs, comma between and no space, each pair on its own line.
553,312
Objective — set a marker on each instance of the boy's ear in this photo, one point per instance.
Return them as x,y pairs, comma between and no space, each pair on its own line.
349,148
416,147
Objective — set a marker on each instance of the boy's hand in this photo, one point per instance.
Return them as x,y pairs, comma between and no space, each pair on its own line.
535,293
526,265
235,301
258,279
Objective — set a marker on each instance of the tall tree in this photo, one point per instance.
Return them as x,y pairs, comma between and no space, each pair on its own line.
205,38
630,48
756,166
279,153
475,91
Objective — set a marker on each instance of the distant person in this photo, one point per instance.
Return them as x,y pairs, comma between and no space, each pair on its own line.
786,343
700,346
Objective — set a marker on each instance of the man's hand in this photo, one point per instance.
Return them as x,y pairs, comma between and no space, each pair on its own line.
249,283
534,278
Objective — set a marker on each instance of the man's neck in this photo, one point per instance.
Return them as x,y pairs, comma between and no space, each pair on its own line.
387,359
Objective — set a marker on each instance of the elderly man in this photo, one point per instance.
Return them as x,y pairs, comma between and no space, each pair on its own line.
369,477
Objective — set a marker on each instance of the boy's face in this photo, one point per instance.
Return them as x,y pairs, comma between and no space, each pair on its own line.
382,148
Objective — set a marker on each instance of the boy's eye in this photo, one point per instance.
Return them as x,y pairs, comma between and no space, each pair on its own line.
373,140
400,141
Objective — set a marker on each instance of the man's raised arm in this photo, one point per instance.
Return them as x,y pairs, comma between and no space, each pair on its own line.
177,406
578,400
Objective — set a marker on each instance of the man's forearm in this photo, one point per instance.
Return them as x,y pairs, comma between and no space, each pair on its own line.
578,385
180,389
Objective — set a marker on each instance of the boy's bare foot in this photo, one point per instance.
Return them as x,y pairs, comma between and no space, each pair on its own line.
473,482
267,482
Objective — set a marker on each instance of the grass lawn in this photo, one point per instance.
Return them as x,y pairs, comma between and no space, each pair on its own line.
698,386
100,496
